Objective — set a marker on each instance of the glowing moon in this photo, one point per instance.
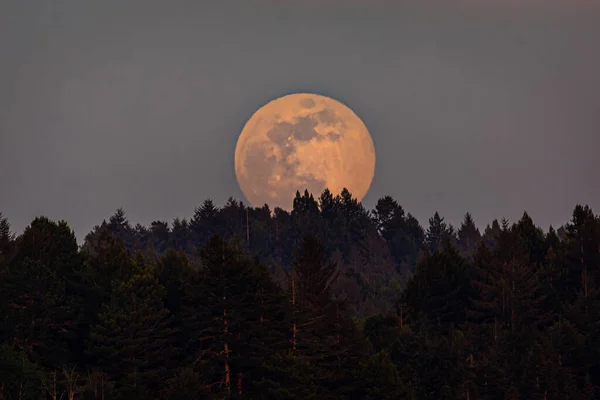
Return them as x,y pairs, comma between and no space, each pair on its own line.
303,141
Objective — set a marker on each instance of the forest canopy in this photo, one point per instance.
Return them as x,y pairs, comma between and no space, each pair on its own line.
327,301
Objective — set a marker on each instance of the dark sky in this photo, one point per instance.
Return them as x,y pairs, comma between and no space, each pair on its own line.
485,106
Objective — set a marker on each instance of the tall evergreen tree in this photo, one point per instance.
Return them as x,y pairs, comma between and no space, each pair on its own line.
305,204
132,340
552,239
19,377
468,237
582,258
328,205
403,234
531,239
118,225
440,290
322,334
38,285
159,236
491,234
232,314
232,218
105,260
179,234
205,222
439,233
6,238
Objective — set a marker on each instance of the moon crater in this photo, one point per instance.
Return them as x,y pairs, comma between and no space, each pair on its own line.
303,141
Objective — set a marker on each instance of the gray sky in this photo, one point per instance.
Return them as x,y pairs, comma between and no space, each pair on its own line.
488,106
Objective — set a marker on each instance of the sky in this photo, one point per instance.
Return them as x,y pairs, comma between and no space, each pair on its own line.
486,106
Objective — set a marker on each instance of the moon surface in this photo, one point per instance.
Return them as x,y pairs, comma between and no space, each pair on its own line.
303,141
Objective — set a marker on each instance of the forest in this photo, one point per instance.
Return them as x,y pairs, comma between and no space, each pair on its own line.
327,301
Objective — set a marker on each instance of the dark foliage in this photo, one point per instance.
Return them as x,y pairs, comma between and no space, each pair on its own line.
328,301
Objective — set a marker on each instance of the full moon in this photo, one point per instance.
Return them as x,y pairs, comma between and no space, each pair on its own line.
303,142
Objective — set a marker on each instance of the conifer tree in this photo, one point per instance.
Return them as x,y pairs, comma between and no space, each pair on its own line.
37,288
186,384
531,239
232,314
118,225
179,234
322,334
403,234
132,340
440,290
491,234
582,258
378,378
584,315
159,236
287,377
552,239
328,205
205,222
305,204
439,233
6,238
106,260
19,377
468,237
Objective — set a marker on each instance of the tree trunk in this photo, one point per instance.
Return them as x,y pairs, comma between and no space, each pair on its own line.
226,350
294,308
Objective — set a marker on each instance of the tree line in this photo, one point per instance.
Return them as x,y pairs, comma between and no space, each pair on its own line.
327,301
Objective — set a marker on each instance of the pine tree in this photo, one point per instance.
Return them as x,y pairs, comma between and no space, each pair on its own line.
389,216
403,234
468,238
159,236
583,313
313,273
186,384
379,378
19,377
232,218
552,239
491,234
355,223
132,340
439,233
106,261
440,290
52,243
232,314
322,334
141,239
306,219
120,228
484,313
430,366
531,239
179,234
381,331
173,269
305,204
287,377
37,288
206,221
509,305
328,205
174,272
6,239
582,258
